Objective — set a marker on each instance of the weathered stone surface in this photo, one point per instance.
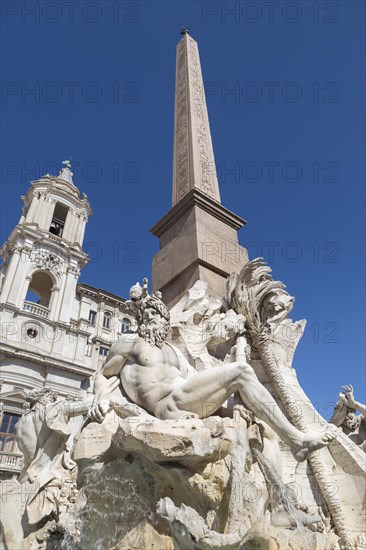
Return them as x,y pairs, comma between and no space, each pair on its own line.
345,417
224,480
144,536
13,496
266,306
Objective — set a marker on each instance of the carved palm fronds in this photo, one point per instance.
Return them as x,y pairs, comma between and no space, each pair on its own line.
265,305
251,292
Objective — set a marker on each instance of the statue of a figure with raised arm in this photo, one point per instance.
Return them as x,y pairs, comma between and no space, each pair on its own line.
45,436
155,375
345,417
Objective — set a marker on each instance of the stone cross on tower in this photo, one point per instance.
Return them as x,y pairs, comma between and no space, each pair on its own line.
198,236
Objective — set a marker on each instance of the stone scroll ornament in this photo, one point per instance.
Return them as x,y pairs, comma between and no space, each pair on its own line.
43,259
266,306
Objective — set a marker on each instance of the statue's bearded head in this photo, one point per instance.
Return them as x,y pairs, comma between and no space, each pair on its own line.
42,396
153,321
276,306
352,421
345,417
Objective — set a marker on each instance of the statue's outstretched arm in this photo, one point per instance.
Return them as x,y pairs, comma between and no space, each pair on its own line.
79,408
351,402
361,408
113,365
118,355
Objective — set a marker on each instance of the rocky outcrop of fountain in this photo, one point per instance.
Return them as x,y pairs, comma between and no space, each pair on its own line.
110,473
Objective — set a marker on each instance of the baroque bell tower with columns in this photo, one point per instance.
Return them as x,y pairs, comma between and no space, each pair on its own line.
44,254
54,331
41,342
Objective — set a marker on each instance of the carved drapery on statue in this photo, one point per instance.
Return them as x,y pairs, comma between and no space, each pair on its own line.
45,436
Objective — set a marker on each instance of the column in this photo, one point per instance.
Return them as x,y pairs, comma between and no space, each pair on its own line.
10,273
69,293
32,208
69,228
47,214
80,230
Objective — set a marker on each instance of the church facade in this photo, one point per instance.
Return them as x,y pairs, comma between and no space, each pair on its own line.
55,332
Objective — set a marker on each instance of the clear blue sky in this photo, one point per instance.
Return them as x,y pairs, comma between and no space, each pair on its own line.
103,79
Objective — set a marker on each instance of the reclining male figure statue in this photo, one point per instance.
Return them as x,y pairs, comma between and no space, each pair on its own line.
155,376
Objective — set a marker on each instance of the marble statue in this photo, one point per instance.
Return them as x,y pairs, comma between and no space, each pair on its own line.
266,306
137,292
345,417
196,433
156,377
45,437
191,437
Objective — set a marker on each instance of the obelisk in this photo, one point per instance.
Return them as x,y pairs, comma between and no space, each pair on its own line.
198,236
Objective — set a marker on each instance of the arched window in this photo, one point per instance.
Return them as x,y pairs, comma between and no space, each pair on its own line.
39,289
125,325
58,220
107,320
32,296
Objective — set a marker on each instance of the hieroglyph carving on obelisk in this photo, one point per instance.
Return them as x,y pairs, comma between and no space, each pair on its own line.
194,162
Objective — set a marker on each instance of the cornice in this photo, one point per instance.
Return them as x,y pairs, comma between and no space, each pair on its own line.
86,290
196,197
45,361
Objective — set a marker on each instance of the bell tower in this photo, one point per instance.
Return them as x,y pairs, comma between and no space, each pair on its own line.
43,255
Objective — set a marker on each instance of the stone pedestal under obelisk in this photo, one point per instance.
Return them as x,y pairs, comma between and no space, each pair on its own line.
198,236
